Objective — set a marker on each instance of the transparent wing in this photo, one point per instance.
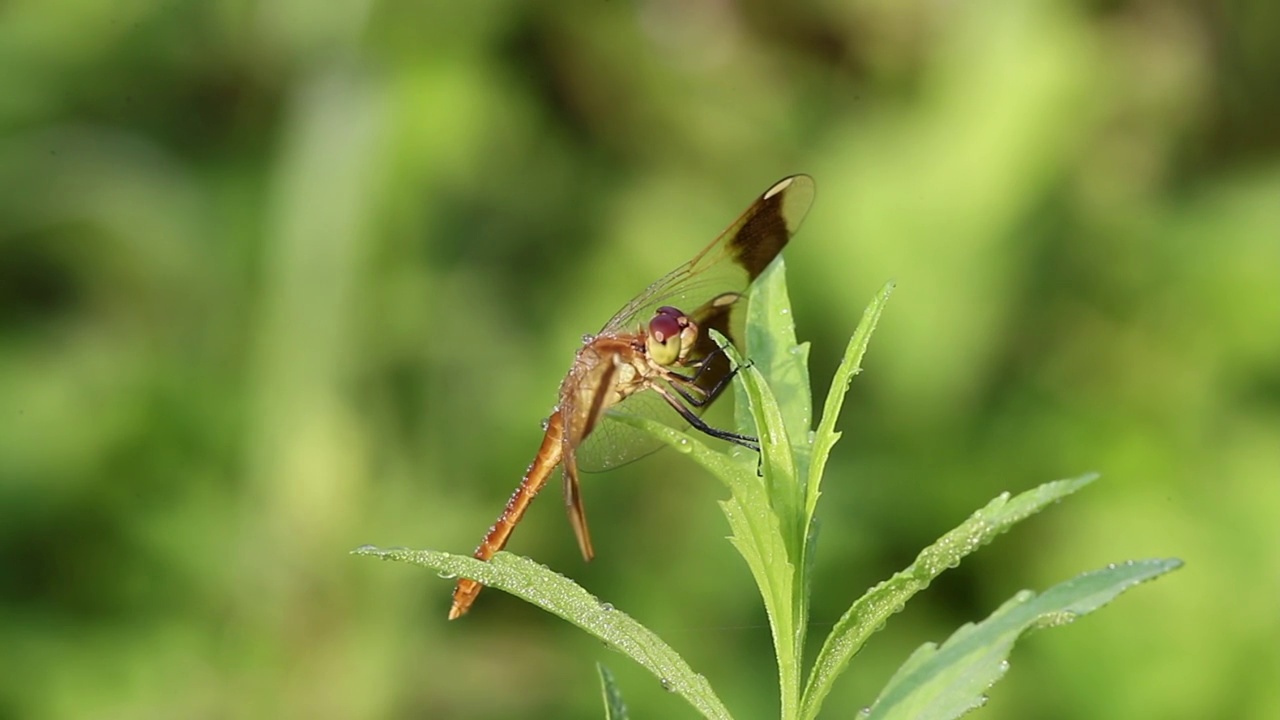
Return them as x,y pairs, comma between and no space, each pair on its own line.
612,443
731,261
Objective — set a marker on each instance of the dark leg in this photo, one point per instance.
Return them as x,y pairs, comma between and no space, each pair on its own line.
707,395
692,418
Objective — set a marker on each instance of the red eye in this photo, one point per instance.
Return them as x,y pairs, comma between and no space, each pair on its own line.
664,325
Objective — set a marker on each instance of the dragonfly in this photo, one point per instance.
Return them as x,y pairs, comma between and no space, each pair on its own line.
655,358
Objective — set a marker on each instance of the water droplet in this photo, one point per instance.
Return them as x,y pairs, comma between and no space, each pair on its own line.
607,607
587,338
666,685
366,549
545,422
446,575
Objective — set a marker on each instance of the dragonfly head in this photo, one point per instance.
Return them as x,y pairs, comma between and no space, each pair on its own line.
671,336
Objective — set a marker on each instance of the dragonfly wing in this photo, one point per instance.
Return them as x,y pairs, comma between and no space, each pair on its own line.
731,261
573,504
613,443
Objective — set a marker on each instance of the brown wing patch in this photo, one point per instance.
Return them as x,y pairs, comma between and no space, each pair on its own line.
715,315
771,223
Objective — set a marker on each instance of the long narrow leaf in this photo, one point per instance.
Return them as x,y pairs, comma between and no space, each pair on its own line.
781,477
869,612
824,438
757,536
756,533
851,364
771,347
614,707
785,505
558,595
941,683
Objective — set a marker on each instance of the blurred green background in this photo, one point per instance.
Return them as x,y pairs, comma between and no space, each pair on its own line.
281,279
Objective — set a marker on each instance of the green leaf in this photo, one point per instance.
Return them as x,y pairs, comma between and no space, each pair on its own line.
940,683
777,461
558,595
781,367
824,438
756,534
614,707
754,525
851,364
869,612
771,347
772,520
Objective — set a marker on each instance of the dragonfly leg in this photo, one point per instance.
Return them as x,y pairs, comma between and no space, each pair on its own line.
689,391
692,418
700,395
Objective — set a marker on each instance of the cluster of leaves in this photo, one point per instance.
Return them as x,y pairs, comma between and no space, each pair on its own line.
771,511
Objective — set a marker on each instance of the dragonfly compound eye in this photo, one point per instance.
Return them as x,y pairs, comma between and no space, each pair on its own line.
667,333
